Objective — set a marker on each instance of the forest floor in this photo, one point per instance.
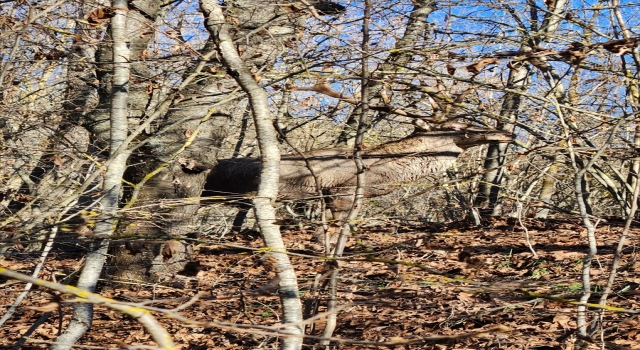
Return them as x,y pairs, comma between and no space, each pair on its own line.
479,287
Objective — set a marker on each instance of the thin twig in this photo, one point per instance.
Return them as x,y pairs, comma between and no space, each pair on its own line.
36,272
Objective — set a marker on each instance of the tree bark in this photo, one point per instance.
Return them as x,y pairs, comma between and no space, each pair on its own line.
548,189
118,122
489,187
397,59
519,79
175,161
269,176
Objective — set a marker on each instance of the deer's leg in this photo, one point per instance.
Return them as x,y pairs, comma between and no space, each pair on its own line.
238,220
338,203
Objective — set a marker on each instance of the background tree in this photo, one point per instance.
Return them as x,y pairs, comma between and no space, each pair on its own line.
562,75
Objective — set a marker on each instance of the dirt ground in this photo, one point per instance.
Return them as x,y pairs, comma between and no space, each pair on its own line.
474,285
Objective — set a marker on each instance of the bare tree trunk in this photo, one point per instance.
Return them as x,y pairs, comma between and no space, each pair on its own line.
519,79
548,189
83,312
634,99
51,183
358,123
400,57
270,174
97,120
174,162
489,186
581,191
634,166
63,183
345,232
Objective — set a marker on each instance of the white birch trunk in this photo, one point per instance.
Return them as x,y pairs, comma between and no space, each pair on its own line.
83,313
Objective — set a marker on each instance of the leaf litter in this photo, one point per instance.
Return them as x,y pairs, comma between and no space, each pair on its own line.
387,290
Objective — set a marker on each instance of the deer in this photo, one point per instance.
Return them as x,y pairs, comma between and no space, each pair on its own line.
430,150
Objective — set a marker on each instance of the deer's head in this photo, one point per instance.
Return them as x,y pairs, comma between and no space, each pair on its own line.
463,135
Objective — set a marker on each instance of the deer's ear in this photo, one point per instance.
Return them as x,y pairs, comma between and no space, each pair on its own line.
421,125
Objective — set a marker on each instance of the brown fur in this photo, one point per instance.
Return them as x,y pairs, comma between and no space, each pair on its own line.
423,153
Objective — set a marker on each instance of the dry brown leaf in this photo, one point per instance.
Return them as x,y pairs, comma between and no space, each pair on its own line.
290,9
620,47
398,340
466,297
96,17
455,56
451,69
477,67
178,99
563,320
6,20
58,161
574,53
144,54
542,65
49,307
386,93
172,248
84,231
